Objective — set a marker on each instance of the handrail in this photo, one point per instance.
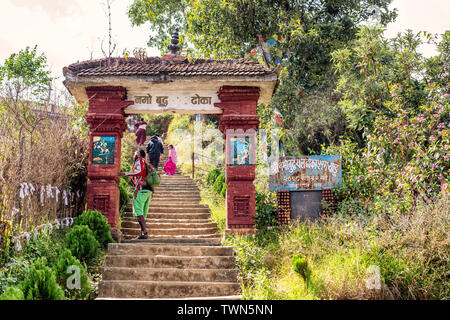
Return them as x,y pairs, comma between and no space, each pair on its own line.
193,163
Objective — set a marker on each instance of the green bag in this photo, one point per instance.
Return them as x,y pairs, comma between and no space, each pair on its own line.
152,179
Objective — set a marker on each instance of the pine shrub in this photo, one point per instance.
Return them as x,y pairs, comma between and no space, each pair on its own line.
12,293
98,224
82,243
224,190
218,185
212,176
40,283
125,193
61,268
300,265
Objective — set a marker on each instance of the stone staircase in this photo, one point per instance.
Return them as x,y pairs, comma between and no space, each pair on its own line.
183,257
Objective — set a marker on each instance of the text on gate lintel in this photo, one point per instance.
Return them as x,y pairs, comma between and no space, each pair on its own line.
163,101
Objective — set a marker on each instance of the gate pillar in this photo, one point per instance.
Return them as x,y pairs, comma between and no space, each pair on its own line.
106,120
239,123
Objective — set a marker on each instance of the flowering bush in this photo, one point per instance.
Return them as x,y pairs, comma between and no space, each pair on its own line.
406,157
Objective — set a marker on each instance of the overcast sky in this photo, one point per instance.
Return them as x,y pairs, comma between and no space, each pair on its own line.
69,30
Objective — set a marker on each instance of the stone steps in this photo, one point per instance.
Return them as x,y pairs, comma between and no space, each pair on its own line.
180,205
158,209
167,250
176,237
168,197
169,225
167,215
182,258
219,298
169,221
175,231
179,241
166,289
198,232
162,261
170,274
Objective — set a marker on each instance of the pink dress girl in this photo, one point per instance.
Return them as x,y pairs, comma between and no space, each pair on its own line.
171,166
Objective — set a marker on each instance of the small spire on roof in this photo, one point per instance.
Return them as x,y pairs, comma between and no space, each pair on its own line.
174,47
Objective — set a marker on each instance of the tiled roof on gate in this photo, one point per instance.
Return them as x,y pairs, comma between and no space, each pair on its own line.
153,66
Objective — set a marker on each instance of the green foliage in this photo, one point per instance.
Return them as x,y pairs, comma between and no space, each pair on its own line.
410,251
368,68
61,268
300,265
223,193
26,73
218,184
158,124
125,193
307,32
48,245
98,224
403,153
14,272
82,242
40,283
212,176
12,293
266,211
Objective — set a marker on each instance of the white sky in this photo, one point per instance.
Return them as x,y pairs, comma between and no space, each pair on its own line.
68,30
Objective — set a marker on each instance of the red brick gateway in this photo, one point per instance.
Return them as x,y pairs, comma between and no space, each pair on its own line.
118,87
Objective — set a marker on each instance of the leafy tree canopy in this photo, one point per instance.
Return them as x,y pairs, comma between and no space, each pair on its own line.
305,33
25,74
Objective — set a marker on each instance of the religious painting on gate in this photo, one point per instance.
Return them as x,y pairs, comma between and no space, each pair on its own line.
103,150
240,151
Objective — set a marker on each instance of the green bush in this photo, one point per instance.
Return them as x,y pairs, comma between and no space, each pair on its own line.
218,184
125,193
82,243
300,265
14,272
98,225
212,176
40,283
223,193
61,267
12,293
266,210
45,245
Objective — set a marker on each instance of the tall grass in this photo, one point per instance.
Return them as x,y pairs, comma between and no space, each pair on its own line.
44,151
344,253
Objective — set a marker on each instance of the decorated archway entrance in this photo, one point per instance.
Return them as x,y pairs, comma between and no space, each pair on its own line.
118,87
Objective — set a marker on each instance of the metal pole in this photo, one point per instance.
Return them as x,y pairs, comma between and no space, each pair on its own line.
193,165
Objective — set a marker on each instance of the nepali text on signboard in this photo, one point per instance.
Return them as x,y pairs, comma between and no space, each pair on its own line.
305,173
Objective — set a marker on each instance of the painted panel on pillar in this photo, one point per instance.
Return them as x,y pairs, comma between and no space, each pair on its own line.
103,149
240,151
305,173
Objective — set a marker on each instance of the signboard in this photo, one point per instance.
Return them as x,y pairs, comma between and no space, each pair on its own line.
103,150
180,101
306,205
240,151
303,173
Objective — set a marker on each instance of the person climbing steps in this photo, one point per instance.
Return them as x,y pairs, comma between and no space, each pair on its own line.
142,192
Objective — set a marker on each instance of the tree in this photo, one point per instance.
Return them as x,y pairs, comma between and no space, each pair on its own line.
23,78
297,35
112,45
372,70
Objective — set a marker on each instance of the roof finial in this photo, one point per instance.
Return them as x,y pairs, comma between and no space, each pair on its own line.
174,47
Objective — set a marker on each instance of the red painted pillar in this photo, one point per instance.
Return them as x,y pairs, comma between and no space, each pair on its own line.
106,120
239,123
